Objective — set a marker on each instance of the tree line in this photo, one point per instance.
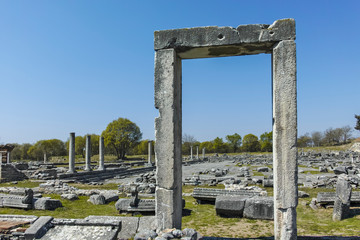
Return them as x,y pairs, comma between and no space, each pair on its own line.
329,137
123,137
233,143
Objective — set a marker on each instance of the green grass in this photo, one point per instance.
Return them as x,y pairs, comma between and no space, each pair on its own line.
109,186
203,218
21,184
71,209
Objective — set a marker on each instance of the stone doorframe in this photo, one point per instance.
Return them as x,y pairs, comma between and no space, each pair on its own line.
171,47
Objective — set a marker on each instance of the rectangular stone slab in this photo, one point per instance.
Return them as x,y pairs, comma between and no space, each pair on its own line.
213,41
209,194
325,198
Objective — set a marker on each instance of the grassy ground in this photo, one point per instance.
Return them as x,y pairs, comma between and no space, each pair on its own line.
203,218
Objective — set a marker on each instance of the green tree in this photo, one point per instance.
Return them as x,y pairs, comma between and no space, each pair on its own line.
45,149
251,143
94,144
208,146
357,127
80,145
304,140
234,141
266,140
143,148
219,146
122,135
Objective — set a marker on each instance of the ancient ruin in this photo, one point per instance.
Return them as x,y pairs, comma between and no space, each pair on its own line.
171,46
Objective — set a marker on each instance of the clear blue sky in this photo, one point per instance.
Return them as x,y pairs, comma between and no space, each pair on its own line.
75,66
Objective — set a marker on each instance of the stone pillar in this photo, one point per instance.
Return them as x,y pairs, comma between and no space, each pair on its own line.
72,153
284,139
191,153
203,153
8,157
1,159
168,133
88,153
45,158
149,153
342,200
101,154
197,152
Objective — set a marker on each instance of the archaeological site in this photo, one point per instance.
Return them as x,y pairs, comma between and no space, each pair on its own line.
285,194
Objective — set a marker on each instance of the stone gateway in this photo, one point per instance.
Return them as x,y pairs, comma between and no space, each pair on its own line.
171,46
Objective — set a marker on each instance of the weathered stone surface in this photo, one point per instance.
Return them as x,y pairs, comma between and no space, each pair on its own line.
72,153
263,169
225,41
302,194
97,199
171,208
70,196
83,229
145,235
172,46
38,228
284,139
259,208
342,200
129,225
340,170
210,194
47,204
168,138
110,196
88,153
230,206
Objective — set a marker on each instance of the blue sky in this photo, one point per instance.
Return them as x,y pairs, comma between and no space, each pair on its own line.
75,66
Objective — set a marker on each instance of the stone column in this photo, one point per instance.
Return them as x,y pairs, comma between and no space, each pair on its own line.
203,153
168,133
45,158
1,158
72,153
197,152
149,153
284,139
191,152
101,154
8,157
88,153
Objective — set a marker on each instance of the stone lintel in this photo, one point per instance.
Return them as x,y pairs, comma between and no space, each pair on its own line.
202,42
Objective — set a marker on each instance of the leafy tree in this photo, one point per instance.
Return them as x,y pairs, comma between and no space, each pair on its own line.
122,135
357,127
143,148
332,136
304,140
94,144
234,141
251,143
80,142
20,151
219,146
266,140
44,149
316,138
208,146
